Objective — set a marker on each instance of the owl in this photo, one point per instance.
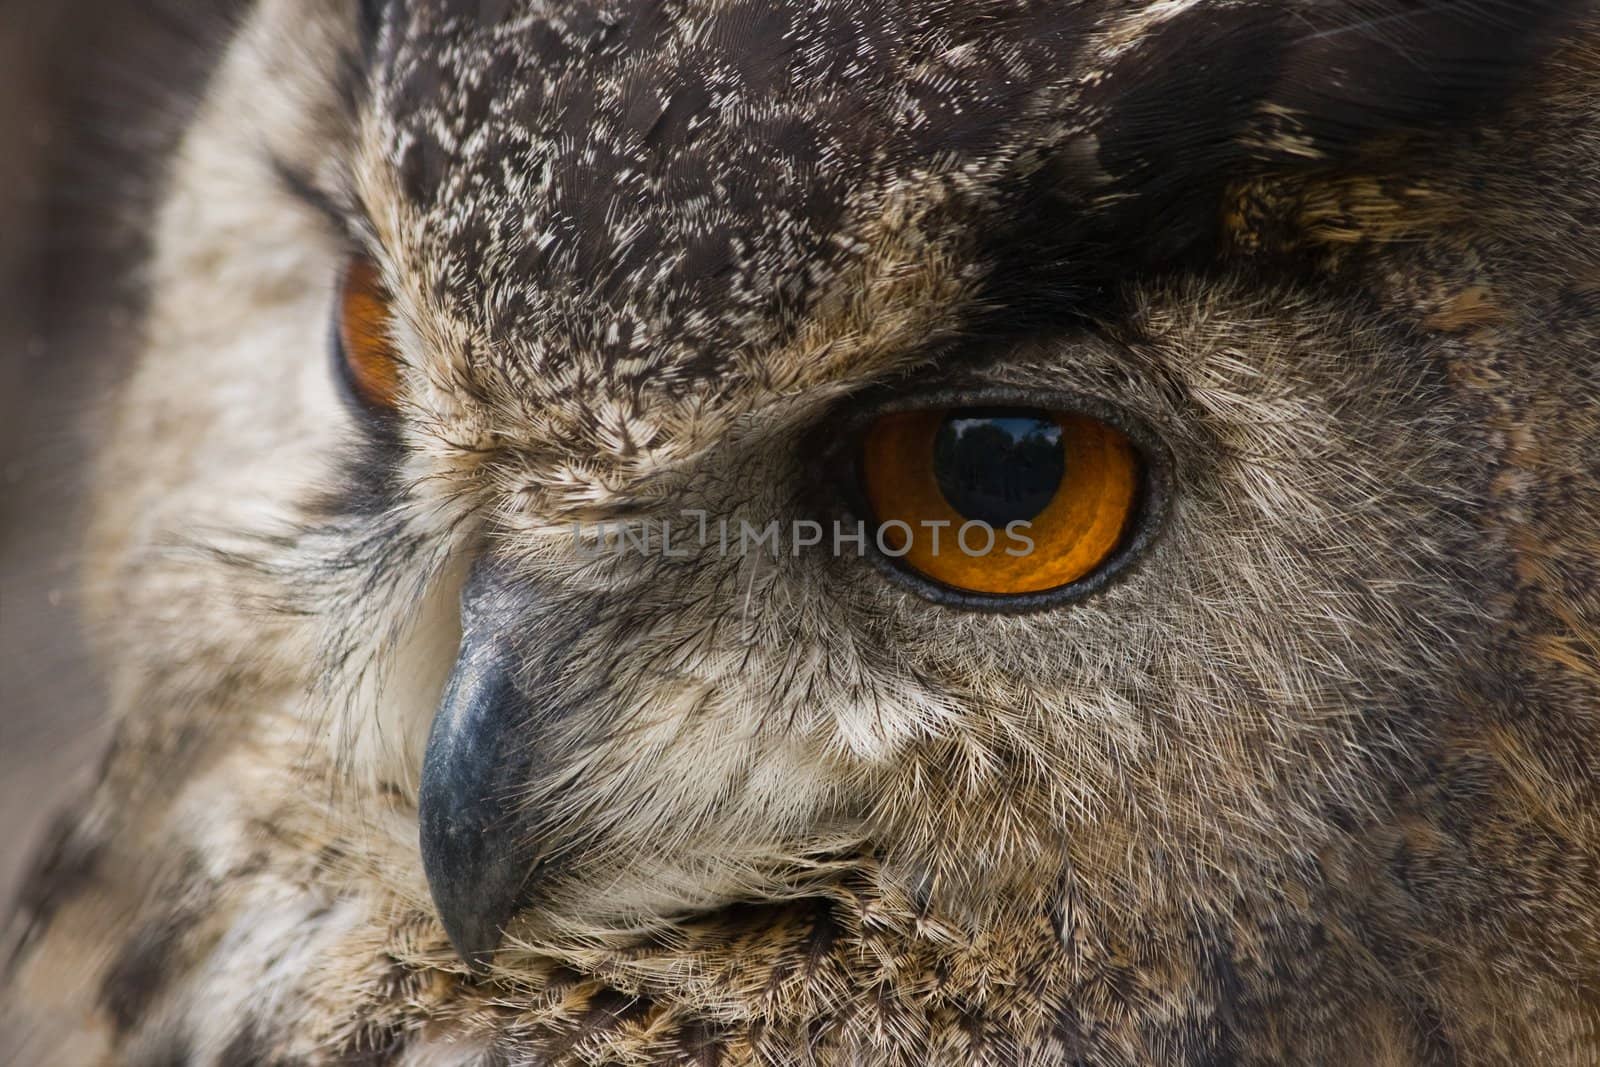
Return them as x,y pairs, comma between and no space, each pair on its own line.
933,532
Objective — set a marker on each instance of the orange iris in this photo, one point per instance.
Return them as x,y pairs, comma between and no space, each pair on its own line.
1000,501
370,358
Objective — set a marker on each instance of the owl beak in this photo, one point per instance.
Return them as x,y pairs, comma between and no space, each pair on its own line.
470,847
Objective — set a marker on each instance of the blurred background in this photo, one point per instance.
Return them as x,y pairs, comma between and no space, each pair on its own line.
49,730
91,91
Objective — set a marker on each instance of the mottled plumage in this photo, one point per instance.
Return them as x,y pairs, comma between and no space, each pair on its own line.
1313,780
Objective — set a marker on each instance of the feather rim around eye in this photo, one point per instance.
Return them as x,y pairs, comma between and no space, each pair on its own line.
368,361
1073,479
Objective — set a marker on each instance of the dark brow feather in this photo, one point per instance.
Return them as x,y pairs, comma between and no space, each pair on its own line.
1391,18
304,188
372,14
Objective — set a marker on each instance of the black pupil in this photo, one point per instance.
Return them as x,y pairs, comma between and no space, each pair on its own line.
999,465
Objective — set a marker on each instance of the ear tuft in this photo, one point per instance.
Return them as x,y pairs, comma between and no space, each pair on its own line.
1212,85
1202,95
1351,71
372,13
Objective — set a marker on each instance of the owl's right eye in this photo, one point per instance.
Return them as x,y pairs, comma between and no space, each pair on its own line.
1070,480
992,500
367,359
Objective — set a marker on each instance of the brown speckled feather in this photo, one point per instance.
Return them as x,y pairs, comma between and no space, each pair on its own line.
1314,781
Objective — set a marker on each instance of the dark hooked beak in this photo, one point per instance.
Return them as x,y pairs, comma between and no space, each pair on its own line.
476,862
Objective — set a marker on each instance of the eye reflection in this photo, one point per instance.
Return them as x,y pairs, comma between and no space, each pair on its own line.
999,465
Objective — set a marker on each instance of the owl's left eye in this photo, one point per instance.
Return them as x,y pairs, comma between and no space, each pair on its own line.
368,362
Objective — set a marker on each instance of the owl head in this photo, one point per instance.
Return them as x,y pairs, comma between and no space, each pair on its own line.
1106,485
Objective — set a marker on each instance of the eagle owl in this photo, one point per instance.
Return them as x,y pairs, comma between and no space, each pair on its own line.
515,559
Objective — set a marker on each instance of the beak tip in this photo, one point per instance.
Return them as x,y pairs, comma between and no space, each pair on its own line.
476,943
475,876
473,852
475,891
